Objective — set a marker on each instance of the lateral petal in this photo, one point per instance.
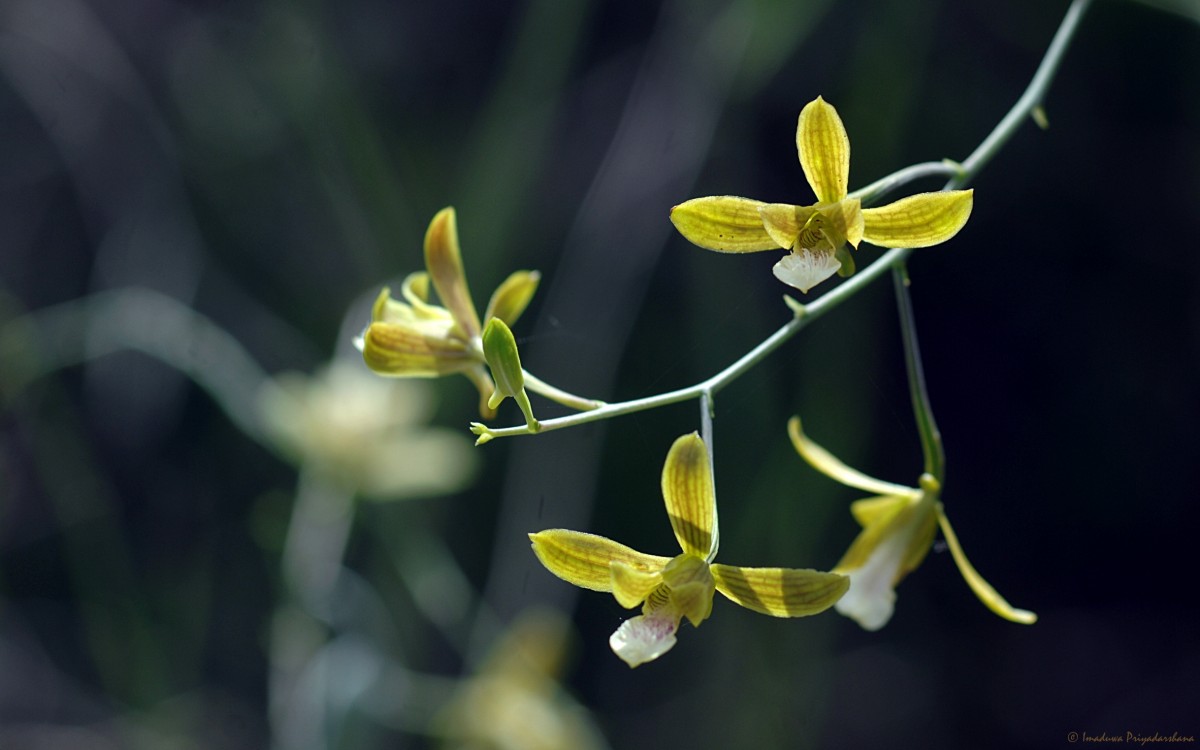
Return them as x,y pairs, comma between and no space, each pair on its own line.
780,592
443,259
874,510
586,559
988,595
919,220
824,150
784,221
723,223
632,585
688,492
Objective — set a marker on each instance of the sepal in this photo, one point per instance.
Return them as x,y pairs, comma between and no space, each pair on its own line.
982,589
585,559
443,259
723,223
687,489
919,220
780,592
824,150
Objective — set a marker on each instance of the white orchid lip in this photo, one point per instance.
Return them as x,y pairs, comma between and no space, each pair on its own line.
804,268
871,598
644,638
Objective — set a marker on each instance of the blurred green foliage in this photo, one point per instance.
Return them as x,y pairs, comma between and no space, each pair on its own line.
271,164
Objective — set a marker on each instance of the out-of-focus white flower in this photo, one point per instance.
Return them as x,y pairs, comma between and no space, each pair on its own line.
516,702
366,432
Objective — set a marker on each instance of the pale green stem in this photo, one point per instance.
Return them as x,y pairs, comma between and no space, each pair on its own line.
899,178
1030,101
52,338
963,174
931,437
558,395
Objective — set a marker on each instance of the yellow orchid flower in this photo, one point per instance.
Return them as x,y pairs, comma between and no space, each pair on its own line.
898,530
817,234
417,339
671,588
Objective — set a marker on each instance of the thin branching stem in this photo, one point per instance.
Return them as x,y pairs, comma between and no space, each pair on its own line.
963,173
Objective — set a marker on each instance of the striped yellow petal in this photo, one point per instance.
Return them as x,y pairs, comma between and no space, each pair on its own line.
632,585
780,592
512,297
988,595
919,220
824,150
405,350
784,221
723,223
585,559
443,259
824,462
688,491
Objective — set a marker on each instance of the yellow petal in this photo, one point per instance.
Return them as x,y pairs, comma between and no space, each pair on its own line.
691,587
988,595
585,559
723,223
844,222
824,150
784,222
632,585
905,528
780,592
875,510
404,350
443,259
512,297
688,491
919,220
824,462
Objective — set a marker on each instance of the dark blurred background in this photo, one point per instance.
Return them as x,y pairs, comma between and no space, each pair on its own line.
270,164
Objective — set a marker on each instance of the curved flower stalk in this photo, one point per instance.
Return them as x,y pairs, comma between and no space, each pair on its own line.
673,588
816,235
414,338
899,526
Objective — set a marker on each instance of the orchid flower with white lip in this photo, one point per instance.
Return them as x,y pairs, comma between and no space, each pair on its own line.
817,235
898,530
671,589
